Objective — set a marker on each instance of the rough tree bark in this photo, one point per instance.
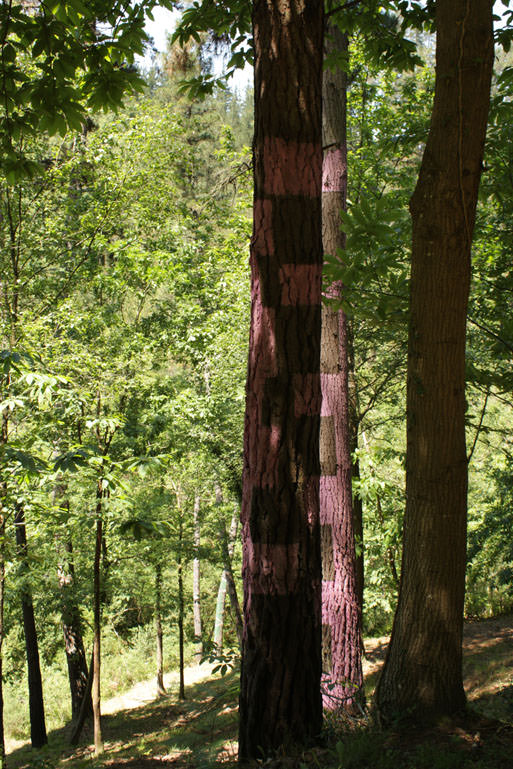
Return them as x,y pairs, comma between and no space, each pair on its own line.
35,685
280,699
422,676
341,636
196,597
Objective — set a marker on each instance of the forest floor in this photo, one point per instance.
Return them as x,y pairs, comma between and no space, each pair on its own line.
142,731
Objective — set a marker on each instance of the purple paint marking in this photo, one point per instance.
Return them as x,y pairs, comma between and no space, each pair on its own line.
331,385
334,171
329,499
292,168
263,241
300,284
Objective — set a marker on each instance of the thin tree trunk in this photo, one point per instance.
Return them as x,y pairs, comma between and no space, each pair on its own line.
77,729
3,760
181,610
196,595
342,667
228,549
161,689
422,676
227,585
219,618
35,685
97,593
354,424
72,631
280,699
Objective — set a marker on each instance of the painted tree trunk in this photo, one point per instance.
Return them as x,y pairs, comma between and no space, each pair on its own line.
422,675
161,689
280,698
196,595
219,618
97,594
341,638
35,685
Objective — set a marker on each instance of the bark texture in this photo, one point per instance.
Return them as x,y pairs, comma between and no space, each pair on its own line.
341,640
280,698
422,675
35,685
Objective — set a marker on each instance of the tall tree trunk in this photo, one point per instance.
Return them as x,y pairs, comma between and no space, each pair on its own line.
227,585
161,689
228,544
280,698
35,685
97,594
3,761
72,629
354,426
422,674
219,617
196,596
181,610
342,665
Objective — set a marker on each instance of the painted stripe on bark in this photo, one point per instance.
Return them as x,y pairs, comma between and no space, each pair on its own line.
291,168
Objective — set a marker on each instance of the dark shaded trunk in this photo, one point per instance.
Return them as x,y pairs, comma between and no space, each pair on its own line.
72,630
422,677
280,700
97,595
35,685
196,575
3,761
341,639
77,728
181,611
161,689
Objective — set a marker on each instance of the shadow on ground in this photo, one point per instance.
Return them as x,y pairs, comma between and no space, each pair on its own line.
198,732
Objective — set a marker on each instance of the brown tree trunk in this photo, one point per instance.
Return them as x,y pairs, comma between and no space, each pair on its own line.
97,593
35,685
342,666
72,631
280,698
181,611
422,676
354,426
161,689
3,761
196,596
